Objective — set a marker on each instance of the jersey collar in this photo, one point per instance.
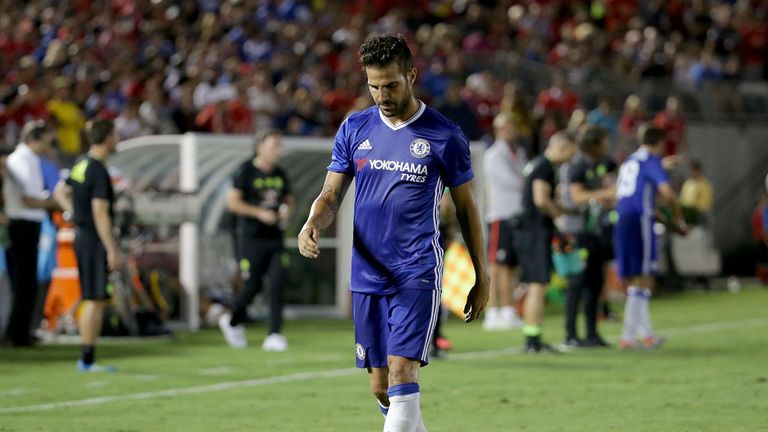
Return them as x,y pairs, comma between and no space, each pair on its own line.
414,117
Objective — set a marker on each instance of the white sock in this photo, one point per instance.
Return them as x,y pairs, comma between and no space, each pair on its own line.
508,313
645,328
631,315
492,314
404,412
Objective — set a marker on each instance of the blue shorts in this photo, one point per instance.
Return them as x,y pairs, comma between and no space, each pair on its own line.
635,245
399,324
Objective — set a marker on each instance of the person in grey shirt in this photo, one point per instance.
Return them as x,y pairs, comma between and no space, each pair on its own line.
586,192
503,165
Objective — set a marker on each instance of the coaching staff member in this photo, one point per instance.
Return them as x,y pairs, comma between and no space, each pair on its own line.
25,204
87,194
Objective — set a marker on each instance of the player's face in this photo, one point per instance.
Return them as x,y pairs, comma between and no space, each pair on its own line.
271,149
391,90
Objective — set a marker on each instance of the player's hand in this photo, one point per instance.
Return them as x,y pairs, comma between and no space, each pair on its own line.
308,242
680,228
114,260
268,217
477,298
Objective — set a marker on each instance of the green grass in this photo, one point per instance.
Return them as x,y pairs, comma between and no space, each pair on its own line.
708,378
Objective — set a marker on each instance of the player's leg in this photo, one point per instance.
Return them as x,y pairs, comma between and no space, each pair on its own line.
629,258
413,314
251,262
594,281
573,295
93,274
404,414
369,316
534,254
275,341
492,310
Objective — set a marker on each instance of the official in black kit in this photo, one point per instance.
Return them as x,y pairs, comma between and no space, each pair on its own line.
88,196
261,199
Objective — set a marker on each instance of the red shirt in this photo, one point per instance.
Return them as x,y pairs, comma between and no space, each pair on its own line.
675,130
553,99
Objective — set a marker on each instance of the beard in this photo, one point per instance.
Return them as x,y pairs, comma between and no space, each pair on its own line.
392,108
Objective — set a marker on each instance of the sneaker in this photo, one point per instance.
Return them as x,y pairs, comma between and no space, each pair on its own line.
570,344
94,368
594,342
653,342
542,348
627,344
234,335
443,343
275,342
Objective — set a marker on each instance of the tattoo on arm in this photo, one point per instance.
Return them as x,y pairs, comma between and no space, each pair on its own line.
331,198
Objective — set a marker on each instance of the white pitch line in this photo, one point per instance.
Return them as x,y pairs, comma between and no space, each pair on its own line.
306,376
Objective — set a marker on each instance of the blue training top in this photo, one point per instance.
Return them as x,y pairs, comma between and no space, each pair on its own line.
400,173
639,179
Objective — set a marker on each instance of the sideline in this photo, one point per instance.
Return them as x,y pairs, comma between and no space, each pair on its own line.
335,373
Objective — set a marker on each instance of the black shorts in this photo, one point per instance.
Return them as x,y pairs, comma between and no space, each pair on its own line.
91,265
534,253
501,243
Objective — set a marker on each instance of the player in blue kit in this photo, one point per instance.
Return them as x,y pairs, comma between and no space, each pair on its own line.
641,177
401,154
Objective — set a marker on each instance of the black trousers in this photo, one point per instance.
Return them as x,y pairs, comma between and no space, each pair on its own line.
22,271
586,286
259,258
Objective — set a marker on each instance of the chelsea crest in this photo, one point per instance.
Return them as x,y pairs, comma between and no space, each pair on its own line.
419,148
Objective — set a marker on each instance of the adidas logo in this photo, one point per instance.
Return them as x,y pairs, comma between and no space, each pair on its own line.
366,145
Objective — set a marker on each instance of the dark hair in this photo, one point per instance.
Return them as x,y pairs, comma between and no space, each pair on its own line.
651,136
696,165
381,50
591,137
97,131
34,130
261,135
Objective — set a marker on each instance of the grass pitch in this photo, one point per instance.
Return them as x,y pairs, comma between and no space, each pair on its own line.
711,376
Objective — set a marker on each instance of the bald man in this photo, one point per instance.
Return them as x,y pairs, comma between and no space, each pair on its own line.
534,229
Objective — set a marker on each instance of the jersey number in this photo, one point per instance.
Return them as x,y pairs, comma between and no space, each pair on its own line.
627,183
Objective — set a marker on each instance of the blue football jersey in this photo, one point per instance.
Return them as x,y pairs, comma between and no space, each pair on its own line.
639,179
400,173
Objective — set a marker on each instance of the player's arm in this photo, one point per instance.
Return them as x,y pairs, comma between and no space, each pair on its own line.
542,191
323,212
62,193
468,217
581,195
103,222
236,204
669,198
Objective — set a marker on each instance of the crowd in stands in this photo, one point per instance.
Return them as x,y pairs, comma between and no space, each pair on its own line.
163,66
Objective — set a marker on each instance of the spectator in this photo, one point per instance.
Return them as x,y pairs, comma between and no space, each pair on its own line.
672,122
129,124
631,119
513,103
453,106
696,195
67,117
26,203
604,117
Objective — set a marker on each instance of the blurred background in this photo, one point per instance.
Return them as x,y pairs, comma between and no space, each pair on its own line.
202,76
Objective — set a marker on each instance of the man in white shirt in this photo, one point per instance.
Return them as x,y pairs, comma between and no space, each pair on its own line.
503,165
25,205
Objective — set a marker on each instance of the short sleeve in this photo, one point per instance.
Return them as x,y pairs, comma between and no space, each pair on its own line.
457,165
656,172
240,179
340,156
100,182
577,173
21,175
542,171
